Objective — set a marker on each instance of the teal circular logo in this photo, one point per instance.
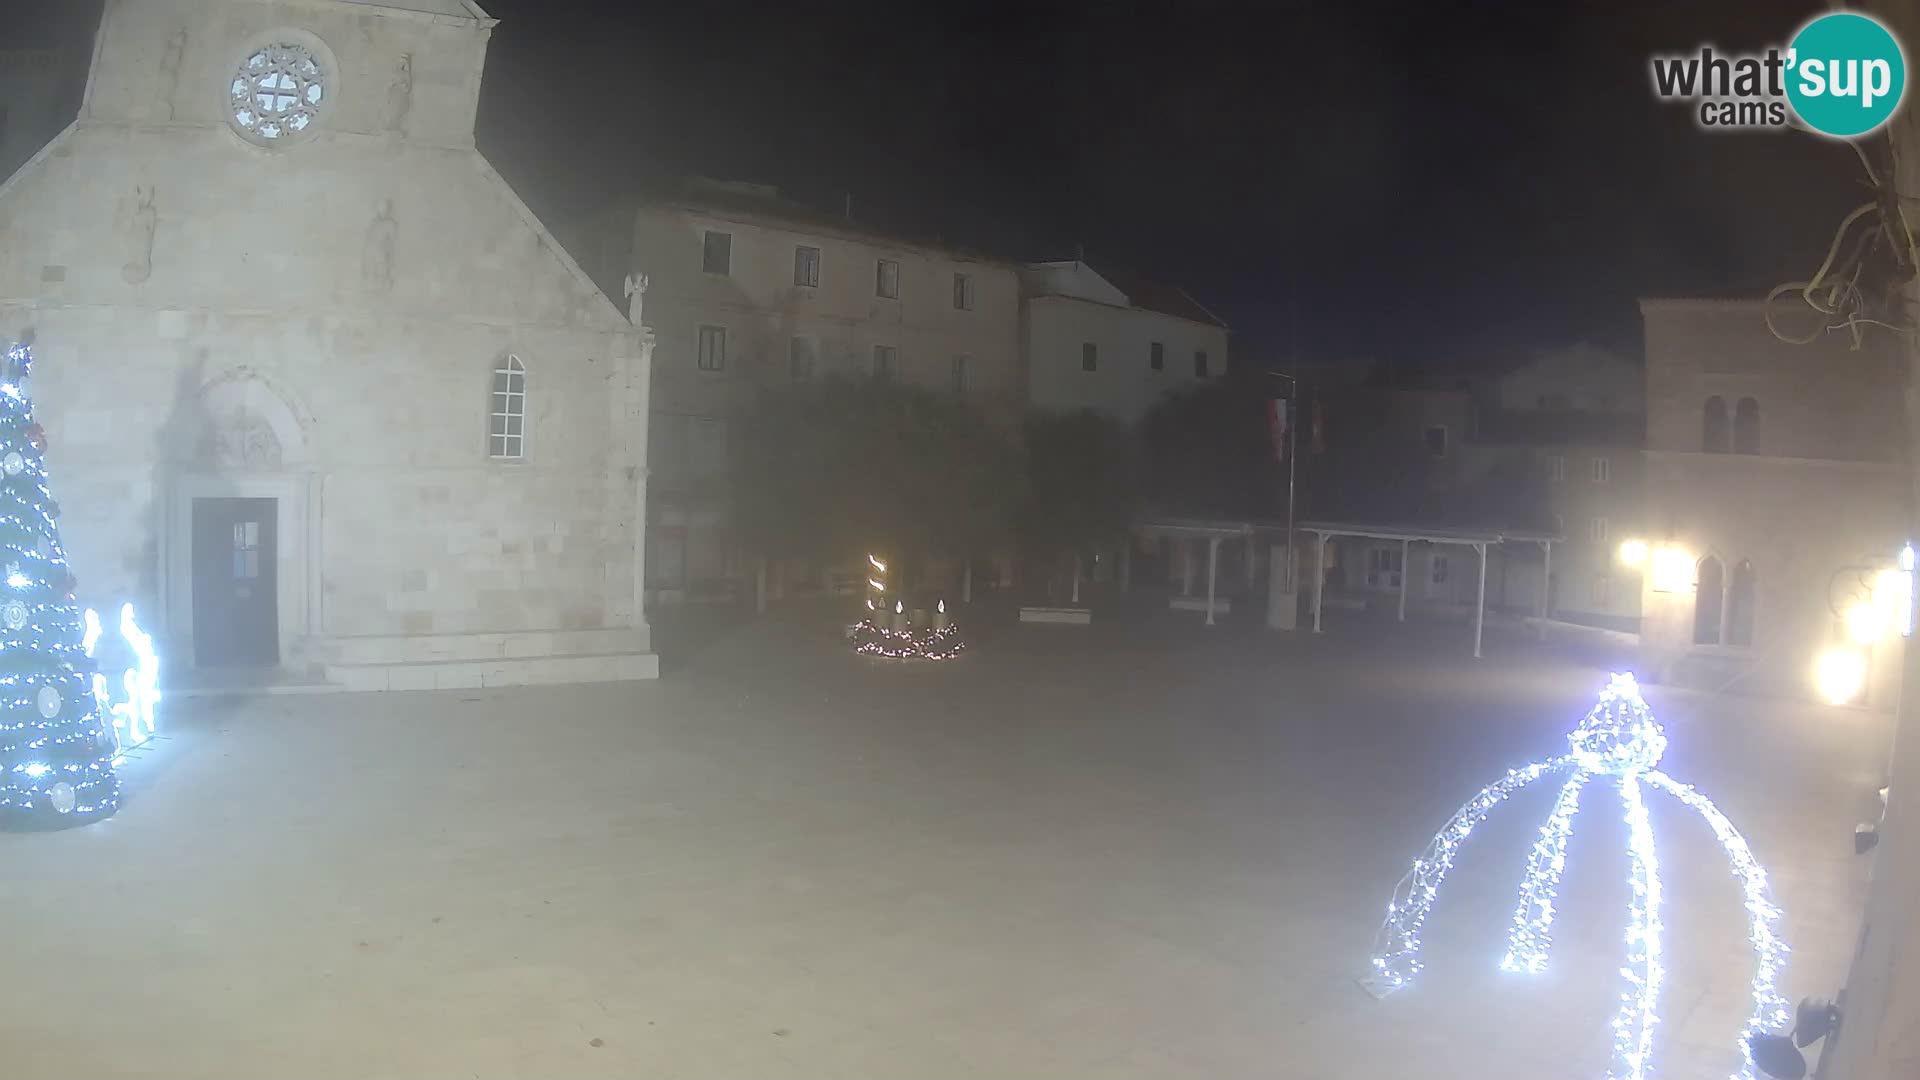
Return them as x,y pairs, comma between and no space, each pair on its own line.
1846,74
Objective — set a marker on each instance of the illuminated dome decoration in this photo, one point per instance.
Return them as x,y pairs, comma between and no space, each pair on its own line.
1618,739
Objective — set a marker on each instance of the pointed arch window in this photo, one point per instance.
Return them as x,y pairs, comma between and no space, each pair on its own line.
1740,600
1709,601
507,425
1714,433
1746,426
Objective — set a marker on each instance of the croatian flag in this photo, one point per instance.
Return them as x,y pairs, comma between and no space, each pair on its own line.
1279,419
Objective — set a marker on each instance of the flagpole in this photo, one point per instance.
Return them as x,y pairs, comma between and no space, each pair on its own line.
1289,417
1293,455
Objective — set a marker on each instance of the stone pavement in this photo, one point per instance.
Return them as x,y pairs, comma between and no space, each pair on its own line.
1117,852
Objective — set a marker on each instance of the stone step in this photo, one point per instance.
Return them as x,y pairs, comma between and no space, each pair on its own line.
496,671
524,644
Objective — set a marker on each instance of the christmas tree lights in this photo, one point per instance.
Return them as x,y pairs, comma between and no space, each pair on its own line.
901,640
56,749
1619,740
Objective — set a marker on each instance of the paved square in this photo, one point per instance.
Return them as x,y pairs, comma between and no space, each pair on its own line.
1120,851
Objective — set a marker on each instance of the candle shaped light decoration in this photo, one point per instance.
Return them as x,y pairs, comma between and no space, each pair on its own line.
899,617
940,617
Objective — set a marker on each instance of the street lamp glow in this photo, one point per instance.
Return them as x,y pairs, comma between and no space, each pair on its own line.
1864,621
1672,569
1840,674
1633,552
1893,596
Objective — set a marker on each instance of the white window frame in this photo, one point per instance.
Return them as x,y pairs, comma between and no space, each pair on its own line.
1089,357
508,403
1157,357
962,370
884,287
1557,468
1602,590
889,371
806,272
1441,569
1602,470
1597,530
701,355
962,291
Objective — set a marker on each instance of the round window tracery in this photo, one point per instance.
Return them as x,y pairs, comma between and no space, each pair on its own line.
278,92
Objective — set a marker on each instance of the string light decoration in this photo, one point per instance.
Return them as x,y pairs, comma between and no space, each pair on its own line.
133,713
900,641
1618,740
56,746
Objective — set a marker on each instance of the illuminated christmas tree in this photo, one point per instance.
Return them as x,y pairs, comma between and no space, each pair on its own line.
56,751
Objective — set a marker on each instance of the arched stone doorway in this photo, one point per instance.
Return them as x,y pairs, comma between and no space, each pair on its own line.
240,538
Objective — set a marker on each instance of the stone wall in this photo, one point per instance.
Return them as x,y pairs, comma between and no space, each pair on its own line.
320,322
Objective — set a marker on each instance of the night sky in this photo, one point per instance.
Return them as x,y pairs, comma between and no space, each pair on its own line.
1417,182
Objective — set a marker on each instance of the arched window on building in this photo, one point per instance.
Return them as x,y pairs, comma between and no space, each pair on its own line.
506,425
1713,426
1746,426
1709,601
1740,601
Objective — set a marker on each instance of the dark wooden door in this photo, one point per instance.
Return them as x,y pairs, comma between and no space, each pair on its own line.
236,619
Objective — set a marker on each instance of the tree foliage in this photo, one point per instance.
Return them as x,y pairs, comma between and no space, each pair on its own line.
832,468
1209,452
1083,482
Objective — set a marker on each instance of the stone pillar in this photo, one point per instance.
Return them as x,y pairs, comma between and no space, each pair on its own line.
1213,562
641,394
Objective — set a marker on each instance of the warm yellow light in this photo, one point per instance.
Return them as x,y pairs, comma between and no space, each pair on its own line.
877,564
1864,623
1633,552
1672,569
1840,674
1893,600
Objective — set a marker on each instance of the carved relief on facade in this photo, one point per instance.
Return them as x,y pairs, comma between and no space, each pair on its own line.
170,61
240,440
400,96
140,229
376,259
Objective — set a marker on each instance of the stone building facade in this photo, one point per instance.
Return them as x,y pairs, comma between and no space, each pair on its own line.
1777,484
747,290
321,392
1094,341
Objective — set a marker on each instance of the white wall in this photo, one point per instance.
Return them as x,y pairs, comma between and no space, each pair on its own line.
361,286
1123,385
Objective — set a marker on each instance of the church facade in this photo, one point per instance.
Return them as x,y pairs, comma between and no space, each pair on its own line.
322,395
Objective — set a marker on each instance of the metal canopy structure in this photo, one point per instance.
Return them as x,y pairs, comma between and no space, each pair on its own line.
1196,529
1408,535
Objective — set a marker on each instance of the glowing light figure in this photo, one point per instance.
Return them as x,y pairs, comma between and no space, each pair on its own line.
18,580
133,714
1618,740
